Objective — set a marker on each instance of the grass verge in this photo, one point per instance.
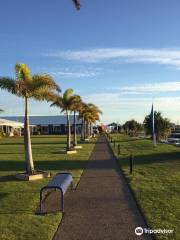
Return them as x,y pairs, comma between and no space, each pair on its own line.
19,199
155,181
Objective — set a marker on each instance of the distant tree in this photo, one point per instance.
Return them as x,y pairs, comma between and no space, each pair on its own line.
39,87
162,125
1,110
131,127
89,113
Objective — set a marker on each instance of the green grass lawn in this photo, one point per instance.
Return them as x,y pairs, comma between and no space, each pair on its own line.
19,199
155,181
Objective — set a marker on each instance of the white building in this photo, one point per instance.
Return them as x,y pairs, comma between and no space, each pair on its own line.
48,124
10,128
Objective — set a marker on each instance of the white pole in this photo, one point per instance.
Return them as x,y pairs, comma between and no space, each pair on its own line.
153,127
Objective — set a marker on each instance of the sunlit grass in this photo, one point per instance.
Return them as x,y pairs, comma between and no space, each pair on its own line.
155,180
19,199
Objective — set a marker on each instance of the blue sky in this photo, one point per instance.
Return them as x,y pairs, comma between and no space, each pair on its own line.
118,54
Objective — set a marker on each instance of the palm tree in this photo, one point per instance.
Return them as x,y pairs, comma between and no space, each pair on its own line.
40,87
66,103
89,115
82,110
93,113
76,106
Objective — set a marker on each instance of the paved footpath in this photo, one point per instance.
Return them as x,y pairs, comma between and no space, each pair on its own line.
102,207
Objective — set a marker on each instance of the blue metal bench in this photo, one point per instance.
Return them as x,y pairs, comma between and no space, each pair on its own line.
61,182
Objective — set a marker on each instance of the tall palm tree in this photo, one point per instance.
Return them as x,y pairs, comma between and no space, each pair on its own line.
89,114
39,87
76,106
82,110
65,102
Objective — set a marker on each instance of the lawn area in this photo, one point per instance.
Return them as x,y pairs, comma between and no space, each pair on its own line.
155,181
19,199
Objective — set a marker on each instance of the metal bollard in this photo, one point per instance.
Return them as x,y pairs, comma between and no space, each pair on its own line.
131,164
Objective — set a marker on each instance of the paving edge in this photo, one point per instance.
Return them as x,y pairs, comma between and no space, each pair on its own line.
130,188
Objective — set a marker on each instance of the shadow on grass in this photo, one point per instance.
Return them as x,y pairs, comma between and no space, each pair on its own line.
11,211
129,140
59,165
47,136
7,165
2,195
152,158
34,143
8,178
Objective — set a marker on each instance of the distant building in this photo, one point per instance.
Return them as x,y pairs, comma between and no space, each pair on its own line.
10,128
48,124
175,132
113,127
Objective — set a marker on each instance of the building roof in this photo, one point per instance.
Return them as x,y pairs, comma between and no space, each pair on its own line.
10,123
44,120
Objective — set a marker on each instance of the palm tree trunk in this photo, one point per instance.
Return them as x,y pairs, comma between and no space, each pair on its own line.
82,127
87,129
27,141
90,128
75,135
68,132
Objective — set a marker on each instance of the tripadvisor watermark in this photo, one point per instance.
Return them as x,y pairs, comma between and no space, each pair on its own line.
139,231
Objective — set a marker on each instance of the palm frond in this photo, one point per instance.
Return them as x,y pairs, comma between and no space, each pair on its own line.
22,72
76,102
8,84
43,94
43,80
67,94
77,4
58,102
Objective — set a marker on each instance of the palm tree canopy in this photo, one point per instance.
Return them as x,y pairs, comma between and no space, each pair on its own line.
76,103
39,86
64,102
90,112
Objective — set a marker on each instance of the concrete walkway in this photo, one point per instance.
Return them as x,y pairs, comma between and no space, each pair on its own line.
101,208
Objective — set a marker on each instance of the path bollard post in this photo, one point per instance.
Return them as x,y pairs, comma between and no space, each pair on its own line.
131,164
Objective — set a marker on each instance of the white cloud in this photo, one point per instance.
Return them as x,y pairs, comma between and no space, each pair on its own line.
151,88
156,56
74,74
117,107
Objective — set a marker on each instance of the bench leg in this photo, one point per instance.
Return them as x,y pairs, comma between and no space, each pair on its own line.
72,186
